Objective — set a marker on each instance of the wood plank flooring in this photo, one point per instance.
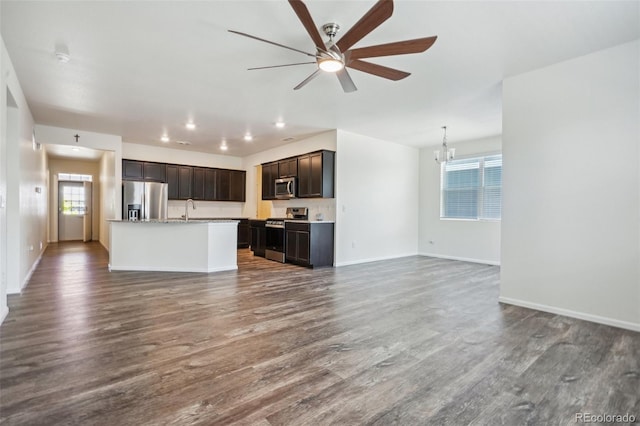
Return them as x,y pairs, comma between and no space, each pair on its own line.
411,341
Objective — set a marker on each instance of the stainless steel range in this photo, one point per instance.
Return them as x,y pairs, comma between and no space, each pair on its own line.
275,248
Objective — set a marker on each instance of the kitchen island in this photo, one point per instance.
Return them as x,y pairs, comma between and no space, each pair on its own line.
173,245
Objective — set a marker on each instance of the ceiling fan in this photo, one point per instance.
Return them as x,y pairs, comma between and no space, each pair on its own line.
336,56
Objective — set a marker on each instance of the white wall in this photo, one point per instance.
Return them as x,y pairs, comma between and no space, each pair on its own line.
376,199
24,168
469,240
571,213
325,140
108,206
4,309
58,165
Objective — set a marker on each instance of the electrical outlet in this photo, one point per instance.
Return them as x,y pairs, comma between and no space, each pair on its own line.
353,244
40,245
30,248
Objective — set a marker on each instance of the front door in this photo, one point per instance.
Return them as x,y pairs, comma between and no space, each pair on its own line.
72,211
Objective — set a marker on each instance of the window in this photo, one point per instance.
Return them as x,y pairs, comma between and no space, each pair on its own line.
74,178
73,200
471,188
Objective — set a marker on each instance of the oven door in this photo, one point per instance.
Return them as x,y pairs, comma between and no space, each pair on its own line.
274,247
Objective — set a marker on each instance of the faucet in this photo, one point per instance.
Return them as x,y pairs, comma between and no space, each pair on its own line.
186,208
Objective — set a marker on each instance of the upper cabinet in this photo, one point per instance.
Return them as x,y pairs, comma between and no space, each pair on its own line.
315,174
144,170
288,167
270,172
237,185
179,180
184,182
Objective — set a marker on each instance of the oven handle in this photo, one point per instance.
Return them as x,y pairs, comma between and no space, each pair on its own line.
275,226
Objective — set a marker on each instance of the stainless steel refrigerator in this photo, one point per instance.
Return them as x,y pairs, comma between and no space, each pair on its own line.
144,200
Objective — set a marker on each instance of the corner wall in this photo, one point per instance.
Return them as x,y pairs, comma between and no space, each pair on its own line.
108,208
23,187
468,240
376,199
571,196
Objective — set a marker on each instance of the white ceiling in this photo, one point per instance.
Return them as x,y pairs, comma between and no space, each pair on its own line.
140,68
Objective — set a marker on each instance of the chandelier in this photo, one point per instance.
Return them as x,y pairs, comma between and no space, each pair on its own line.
444,154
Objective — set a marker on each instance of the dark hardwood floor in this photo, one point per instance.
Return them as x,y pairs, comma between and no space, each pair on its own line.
412,341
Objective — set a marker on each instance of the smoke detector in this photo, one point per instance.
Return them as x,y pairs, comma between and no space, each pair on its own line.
62,53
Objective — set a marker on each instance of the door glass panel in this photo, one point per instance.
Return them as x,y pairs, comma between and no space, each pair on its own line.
73,201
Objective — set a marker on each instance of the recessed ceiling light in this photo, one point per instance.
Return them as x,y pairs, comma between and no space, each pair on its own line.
75,149
280,124
224,147
164,138
190,125
248,137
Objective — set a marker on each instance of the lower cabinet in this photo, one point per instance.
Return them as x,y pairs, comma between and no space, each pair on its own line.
258,237
244,233
309,243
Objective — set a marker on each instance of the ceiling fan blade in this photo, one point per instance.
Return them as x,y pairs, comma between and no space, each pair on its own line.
405,47
272,42
280,66
380,12
379,70
305,17
345,80
308,79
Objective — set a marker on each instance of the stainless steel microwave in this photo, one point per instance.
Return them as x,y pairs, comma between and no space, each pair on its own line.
286,188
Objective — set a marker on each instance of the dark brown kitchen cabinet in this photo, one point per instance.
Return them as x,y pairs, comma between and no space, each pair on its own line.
132,169
210,184
223,178
198,191
315,174
154,171
244,233
309,243
180,182
288,167
258,236
144,170
269,175
237,185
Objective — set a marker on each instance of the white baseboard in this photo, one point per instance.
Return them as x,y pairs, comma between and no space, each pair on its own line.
4,311
572,314
172,269
373,259
31,271
463,259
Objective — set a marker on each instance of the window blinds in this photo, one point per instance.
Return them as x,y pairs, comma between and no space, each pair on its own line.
471,188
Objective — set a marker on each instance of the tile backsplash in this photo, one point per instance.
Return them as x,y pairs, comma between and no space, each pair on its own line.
205,209
324,206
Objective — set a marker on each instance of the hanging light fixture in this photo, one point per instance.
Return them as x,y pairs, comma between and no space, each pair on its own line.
444,154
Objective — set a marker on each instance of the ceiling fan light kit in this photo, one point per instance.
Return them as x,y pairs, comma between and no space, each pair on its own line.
336,57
